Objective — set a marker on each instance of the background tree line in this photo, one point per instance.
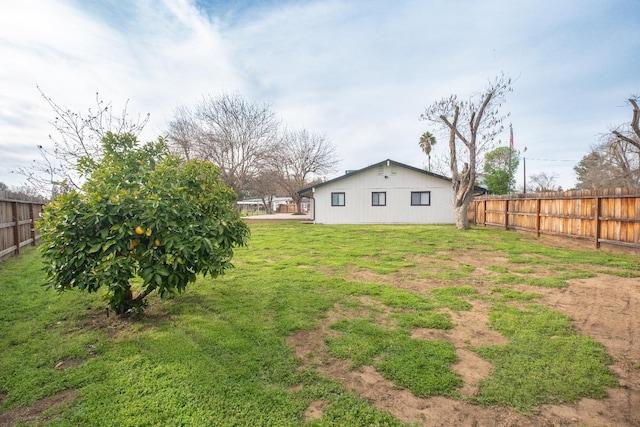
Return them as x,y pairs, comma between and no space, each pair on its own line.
260,157
257,155
472,127
615,161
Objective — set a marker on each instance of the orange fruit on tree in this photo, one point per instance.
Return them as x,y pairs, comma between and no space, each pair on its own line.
148,232
139,231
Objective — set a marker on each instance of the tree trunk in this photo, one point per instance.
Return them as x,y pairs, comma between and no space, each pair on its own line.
298,202
123,302
122,299
463,194
462,220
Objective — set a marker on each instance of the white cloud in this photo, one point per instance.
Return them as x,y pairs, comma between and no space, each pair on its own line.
361,73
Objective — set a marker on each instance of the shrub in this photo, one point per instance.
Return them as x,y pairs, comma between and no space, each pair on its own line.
142,212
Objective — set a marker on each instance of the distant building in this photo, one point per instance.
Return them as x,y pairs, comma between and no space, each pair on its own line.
257,205
384,193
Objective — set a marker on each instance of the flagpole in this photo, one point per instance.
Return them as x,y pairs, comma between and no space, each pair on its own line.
510,156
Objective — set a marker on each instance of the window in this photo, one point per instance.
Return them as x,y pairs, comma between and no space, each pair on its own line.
378,198
420,198
337,199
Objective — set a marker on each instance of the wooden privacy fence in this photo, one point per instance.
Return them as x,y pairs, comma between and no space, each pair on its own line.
602,216
18,214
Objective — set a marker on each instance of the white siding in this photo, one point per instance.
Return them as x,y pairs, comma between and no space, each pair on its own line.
398,183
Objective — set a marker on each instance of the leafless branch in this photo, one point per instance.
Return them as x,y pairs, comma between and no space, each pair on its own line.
631,136
77,135
476,123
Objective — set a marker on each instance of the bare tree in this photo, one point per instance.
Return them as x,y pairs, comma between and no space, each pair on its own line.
544,181
77,136
184,133
615,162
630,133
302,156
612,163
265,187
236,135
476,123
427,141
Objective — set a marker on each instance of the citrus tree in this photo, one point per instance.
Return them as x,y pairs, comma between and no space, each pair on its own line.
141,213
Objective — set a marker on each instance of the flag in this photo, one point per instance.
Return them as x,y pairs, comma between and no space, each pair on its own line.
511,137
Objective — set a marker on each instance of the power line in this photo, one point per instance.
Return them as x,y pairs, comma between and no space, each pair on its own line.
551,160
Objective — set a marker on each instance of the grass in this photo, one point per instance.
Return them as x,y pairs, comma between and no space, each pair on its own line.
398,357
217,355
545,361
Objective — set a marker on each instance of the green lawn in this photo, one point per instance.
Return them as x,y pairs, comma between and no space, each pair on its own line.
217,354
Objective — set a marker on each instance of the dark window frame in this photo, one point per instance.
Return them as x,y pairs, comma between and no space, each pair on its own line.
375,202
336,201
420,202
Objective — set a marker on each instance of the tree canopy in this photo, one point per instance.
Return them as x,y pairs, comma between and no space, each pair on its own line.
630,133
426,142
615,161
472,126
77,135
248,143
141,212
544,181
301,155
499,170
235,134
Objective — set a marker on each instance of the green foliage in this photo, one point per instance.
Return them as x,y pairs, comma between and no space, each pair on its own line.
423,319
426,143
500,166
141,212
544,362
626,274
420,365
505,294
218,355
497,268
449,297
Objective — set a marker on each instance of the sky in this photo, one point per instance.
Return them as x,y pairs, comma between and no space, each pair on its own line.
359,72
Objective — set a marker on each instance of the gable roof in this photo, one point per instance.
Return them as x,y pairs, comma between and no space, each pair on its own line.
307,191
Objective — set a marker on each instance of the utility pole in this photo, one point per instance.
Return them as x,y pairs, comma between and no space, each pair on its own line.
524,167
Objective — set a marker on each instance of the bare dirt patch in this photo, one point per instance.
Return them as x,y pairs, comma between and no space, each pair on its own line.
314,411
113,325
435,411
604,307
470,331
33,413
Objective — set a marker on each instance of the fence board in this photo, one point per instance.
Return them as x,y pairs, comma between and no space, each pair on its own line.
608,215
18,214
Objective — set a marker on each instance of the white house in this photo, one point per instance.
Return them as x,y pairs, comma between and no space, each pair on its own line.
384,193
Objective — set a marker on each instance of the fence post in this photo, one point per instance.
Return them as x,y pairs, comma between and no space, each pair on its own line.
475,212
538,202
484,212
16,226
596,218
506,214
32,216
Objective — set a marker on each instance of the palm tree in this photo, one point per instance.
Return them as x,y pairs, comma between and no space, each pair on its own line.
427,141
